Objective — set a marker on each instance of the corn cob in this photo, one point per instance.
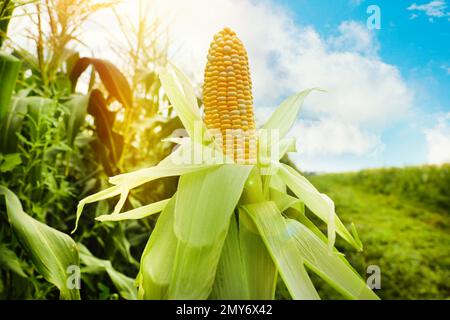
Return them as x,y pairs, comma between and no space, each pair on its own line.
227,97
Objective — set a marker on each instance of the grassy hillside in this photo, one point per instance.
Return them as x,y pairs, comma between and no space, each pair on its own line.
403,219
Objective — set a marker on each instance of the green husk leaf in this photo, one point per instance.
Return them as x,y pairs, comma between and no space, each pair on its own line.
182,102
331,267
188,157
138,213
318,203
286,145
158,257
282,247
285,201
270,152
231,277
102,195
142,176
286,114
187,88
128,181
261,272
271,137
51,251
277,183
210,196
205,202
246,270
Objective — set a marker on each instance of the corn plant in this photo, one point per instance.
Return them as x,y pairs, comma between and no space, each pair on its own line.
30,146
44,146
232,227
142,45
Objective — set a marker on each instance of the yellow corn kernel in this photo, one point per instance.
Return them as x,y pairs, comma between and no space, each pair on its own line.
227,96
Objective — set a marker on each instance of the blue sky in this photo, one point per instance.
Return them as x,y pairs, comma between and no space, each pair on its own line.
420,48
418,44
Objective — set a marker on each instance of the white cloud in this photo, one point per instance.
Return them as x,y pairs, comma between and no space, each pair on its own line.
355,37
438,139
435,8
328,137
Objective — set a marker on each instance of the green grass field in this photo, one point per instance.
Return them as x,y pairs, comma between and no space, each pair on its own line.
403,220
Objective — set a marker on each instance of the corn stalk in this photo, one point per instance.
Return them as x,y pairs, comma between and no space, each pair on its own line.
6,10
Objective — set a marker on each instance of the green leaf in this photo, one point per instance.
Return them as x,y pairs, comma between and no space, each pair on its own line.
9,161
51,251
285,201
111,142
318,203
246,270
261,272
138,213
124,284
210,196
331,267
272,145
71,60
271,150
121,243
282,248
204,204
288,205
10,261
102,195
158,257
286,145
277,183
9,70
182,102
38,109
12,123
231,277
163,169
126,182
187,88
77,106
286,114
113,80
